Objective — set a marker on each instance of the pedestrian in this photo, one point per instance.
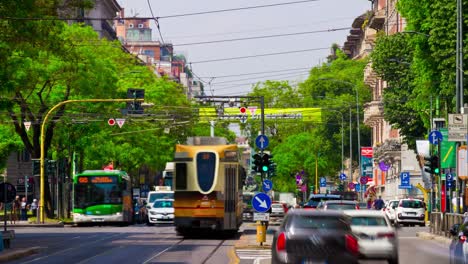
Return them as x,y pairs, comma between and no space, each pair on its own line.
379,203
34,207
24,209
15,210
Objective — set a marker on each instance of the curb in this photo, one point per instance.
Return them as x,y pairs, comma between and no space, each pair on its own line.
9,254
429,236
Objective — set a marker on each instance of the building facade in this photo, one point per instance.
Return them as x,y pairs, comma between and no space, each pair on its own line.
391,157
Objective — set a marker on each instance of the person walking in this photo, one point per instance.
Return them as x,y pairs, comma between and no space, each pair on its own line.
24,209
34,207
379,203
15,210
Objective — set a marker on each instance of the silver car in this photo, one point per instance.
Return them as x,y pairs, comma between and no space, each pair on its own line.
377,238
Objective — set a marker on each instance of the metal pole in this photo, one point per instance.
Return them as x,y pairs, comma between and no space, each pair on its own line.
457,63
350,146
4,204
42,158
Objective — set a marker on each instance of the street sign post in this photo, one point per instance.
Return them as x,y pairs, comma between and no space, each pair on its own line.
363,180
351,185
262,142
457,127
342,176
435,137
261,202
267,185
357,187
405,181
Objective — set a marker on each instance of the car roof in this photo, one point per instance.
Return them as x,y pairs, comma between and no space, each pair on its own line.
315,213
339,202
324,196
355,213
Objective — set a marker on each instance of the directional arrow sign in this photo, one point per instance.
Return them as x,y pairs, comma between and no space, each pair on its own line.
342,176
262,142
261,202
435,137
267,185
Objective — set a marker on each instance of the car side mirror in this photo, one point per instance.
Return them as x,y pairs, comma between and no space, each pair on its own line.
454,229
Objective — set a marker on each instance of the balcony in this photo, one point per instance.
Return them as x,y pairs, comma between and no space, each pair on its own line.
373,111
370,77
377,20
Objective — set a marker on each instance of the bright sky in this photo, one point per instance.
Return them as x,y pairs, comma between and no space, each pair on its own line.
319,15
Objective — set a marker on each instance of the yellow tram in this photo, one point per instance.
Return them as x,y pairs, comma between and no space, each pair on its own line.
207,184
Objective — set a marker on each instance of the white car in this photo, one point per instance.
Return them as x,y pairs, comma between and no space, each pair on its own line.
377,238
162,211
390,209
410,212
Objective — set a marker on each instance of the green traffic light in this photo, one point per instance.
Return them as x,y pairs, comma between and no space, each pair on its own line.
436,171
265,168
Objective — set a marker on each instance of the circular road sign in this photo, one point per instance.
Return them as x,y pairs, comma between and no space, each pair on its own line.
351,185
435,137
363,180
261,202
262,142
111,121
342,176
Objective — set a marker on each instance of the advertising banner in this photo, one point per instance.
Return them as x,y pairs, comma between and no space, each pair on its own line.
367,162
447,151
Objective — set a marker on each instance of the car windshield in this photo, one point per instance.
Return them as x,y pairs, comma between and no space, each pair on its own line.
319,222
160,195
162,204
368,221
394,203
334,206
412,204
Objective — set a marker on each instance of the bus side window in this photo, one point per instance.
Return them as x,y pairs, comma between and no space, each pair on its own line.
181,176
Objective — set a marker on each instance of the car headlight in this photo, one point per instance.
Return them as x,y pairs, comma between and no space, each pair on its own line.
118,214
152,213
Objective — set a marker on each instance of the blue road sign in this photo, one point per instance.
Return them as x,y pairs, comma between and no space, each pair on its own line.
435,137
267,185
262,142
323,182
357,187
449,177
261,202
342,176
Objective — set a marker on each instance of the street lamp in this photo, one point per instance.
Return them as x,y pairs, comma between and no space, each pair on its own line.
357,115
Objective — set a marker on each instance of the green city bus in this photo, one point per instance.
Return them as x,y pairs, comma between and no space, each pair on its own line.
102,196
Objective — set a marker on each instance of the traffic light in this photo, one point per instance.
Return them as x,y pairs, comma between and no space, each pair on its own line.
431,164
265,166
36,167
257,162
135,107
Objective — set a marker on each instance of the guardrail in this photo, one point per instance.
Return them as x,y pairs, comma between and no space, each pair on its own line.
442,222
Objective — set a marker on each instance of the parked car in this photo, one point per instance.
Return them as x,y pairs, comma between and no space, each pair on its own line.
278,209
162,211
390,209
377,237
312,236
410,212
338,205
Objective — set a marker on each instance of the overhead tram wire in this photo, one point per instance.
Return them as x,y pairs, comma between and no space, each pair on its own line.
156,20
263,37
169,16
259,55
255,73
285,75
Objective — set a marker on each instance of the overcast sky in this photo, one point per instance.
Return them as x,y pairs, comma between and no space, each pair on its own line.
286,19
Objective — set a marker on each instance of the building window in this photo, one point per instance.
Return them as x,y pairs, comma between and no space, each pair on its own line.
130,25
149,53
140,25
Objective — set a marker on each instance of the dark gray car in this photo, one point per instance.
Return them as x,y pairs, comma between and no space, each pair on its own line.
315,236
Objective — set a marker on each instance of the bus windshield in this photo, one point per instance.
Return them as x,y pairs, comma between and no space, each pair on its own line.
88,194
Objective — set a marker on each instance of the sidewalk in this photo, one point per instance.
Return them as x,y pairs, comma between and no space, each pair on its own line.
430,236
247,248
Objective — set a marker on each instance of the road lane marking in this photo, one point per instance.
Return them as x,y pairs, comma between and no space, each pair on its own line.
72,248
157,255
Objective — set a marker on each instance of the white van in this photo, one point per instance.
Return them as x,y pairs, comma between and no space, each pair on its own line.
161,192
410,212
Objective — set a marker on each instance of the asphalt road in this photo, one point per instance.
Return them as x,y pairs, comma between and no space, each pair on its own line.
160,244
133,244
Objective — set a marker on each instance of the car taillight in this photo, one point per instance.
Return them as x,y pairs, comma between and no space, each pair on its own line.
399,215
357,207
281,242
462,238
351,244
383,209
387,235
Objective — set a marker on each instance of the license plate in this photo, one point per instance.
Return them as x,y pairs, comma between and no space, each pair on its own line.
411,213
98,219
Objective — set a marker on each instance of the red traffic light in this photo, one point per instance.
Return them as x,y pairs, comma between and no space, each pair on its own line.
243,110
111,121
